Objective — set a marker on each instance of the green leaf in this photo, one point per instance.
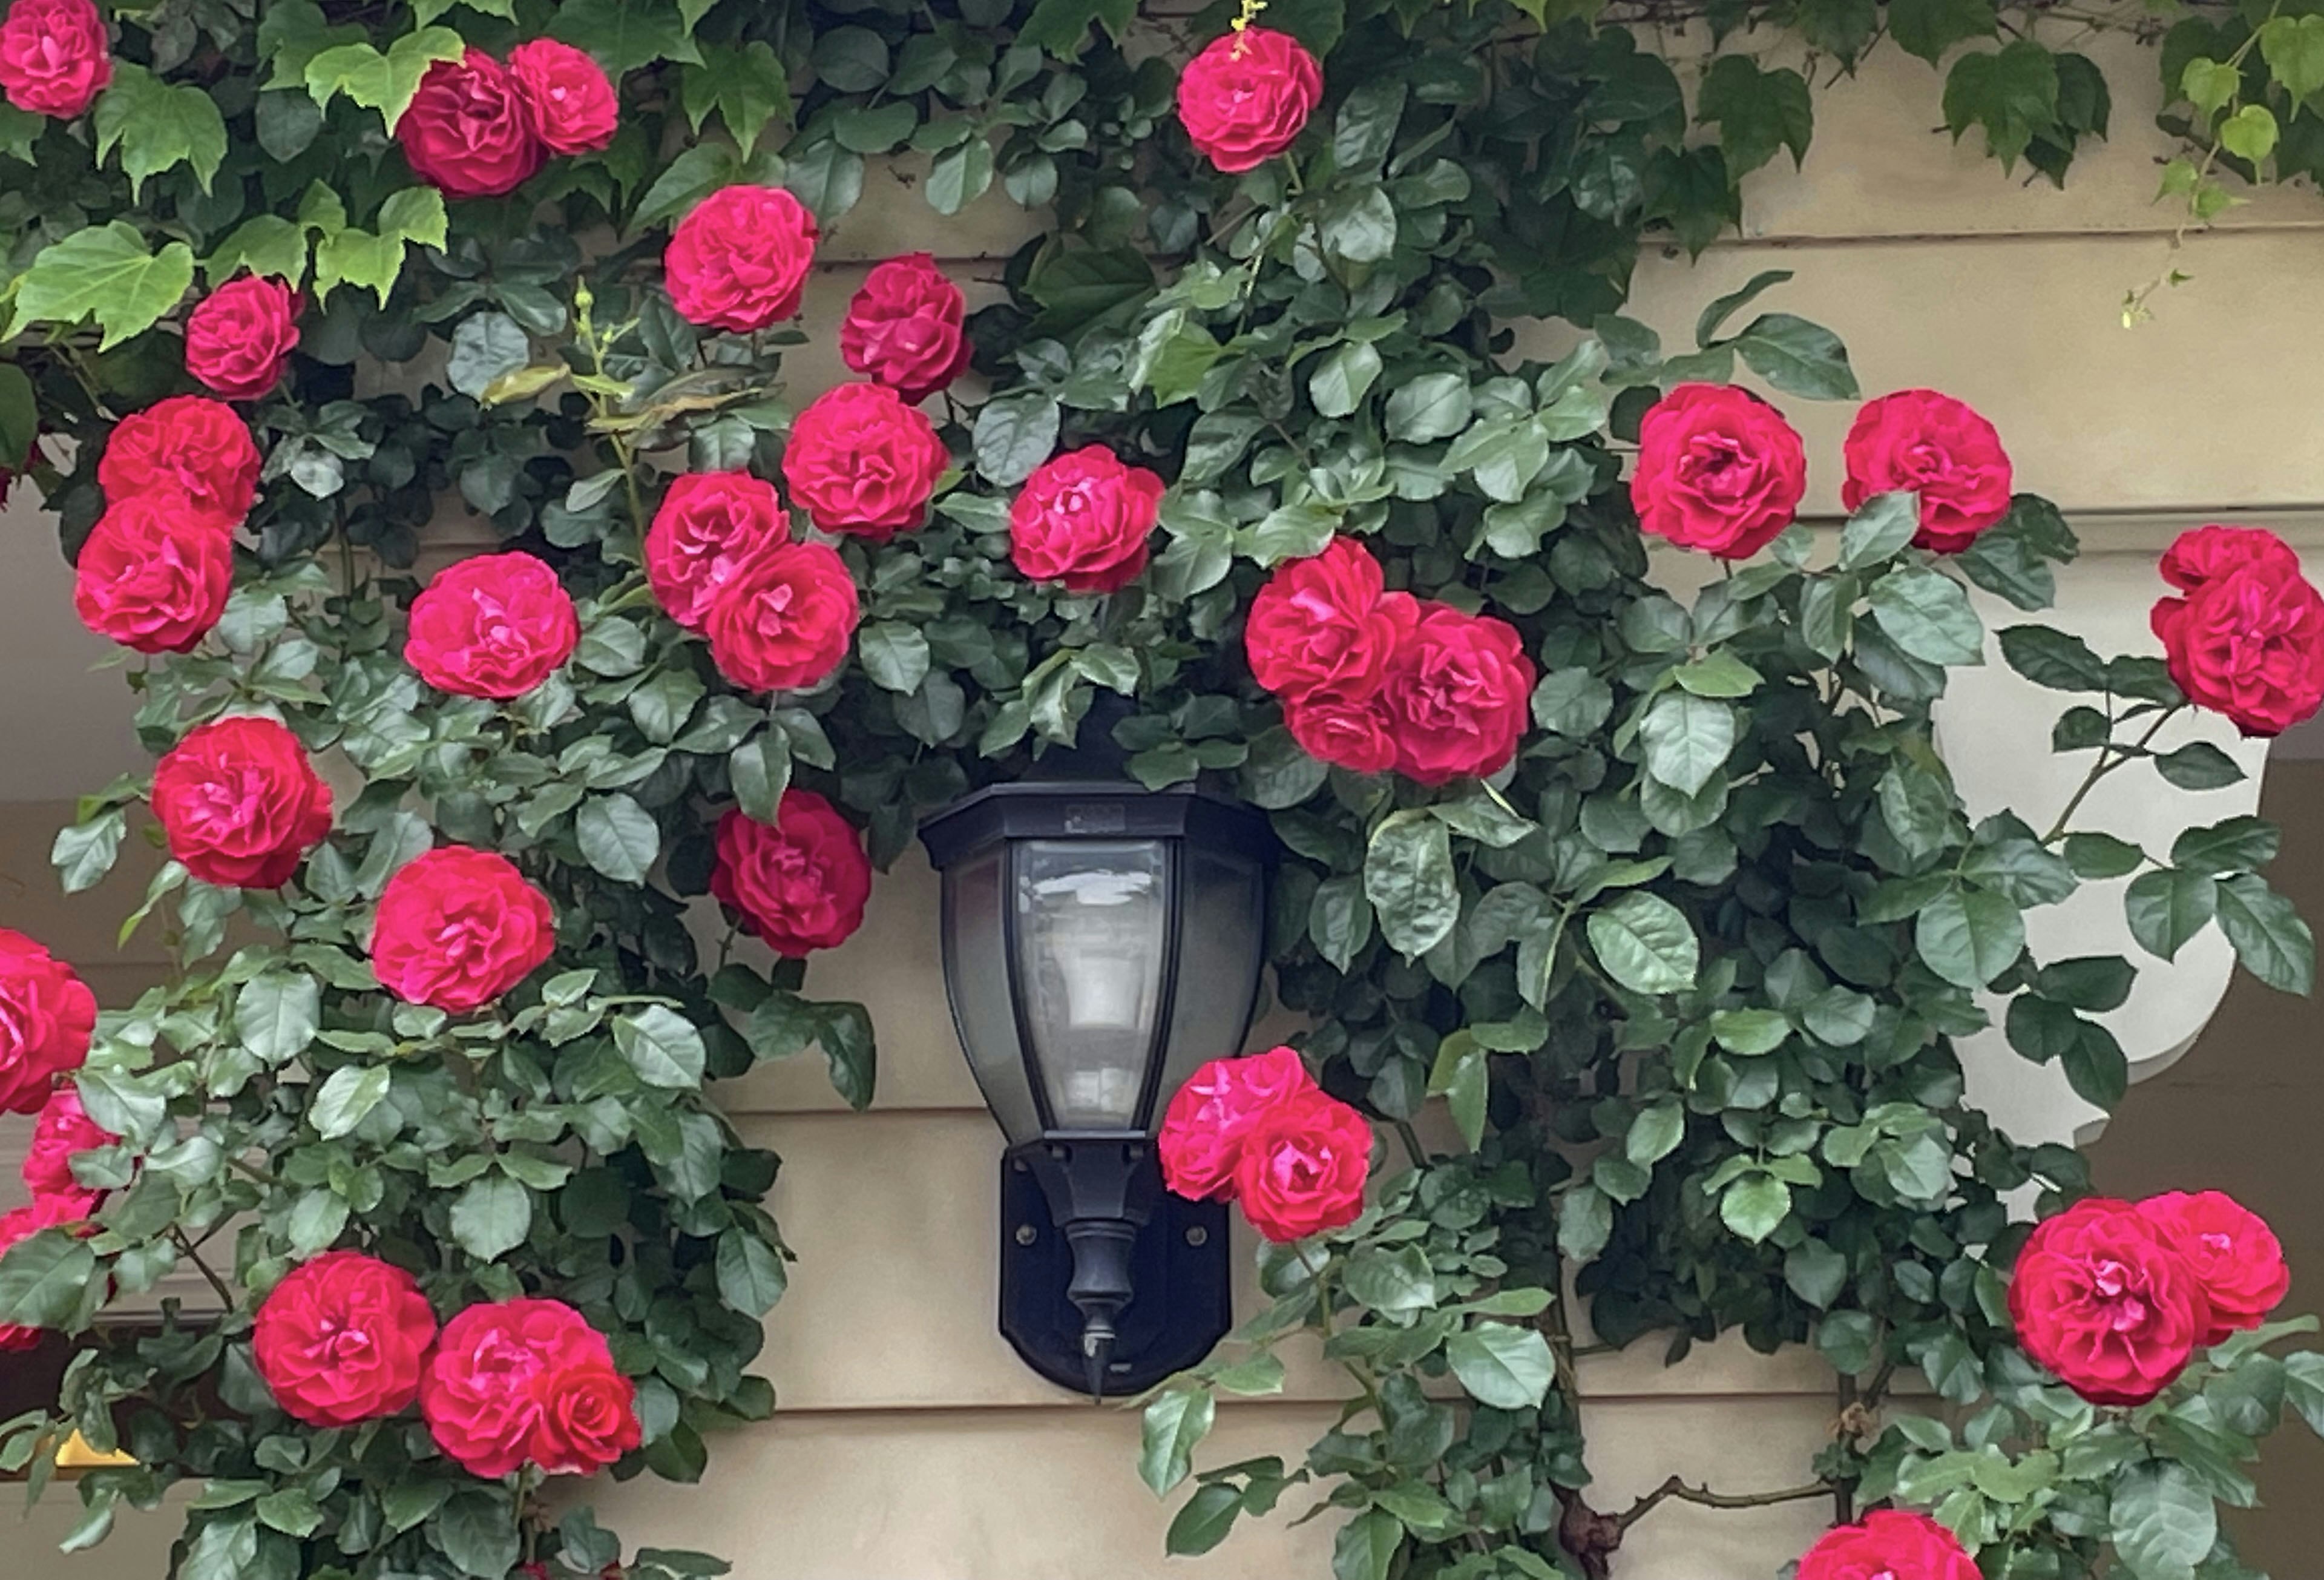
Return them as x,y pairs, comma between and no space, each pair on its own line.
1463,1076
625,34
2238,844
895,655
1014,434
960,175
1342,379
1366,1546
1365,131
849,1049
1645,943
659,1044
2271,939
478,1532
1061,27
2012,93
106,273
751,1276
491,1216
387,82
1409,878
1815,1272
1798,357
349,1093
2168,907
1715,317
1174,1425
2102,856
2303,1387
84,852
1359,224
158,126
2198,766
1755,1205
1571,702
1392,1280
484,347
1205,1521
1509,1368
266,244
2053,659
1750,1033
2250,133
1585,1221
1719,673
759,770
1758,112
1655,1134
745,86
1927,613
2294,48
1687,739
1929,28
2162,1520
44,1279
1968,936
618,838
275,1016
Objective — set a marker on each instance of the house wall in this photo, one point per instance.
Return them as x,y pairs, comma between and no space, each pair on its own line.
910,1443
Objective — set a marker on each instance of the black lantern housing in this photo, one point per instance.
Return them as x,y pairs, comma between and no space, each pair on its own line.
1101,941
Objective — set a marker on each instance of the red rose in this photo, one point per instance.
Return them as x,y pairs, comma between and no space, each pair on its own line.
1458,694
588,1418
44,1211
342,1339
1325,625
1209,1118
2236,1256
1937,448
784,621
154,575
1083,519
2103,1299
469,130
1891,1544
494,625
903,328
240,803
53,56
191,443
488,1389
740,260
240,335
572,101
47,1017
709,525
862,461
63,1128
1718,469
799,883
2248,639
457,928
1357,736
1245,97
1302,1166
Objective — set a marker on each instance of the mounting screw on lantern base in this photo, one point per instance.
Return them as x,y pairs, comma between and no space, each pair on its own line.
1120,1283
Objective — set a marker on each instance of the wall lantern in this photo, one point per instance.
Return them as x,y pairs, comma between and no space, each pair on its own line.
1100,942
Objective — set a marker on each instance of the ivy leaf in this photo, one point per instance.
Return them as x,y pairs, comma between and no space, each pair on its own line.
744,84
265,244
1505,1367
1929,28
1061,28
625,34
1174,1424
2012,93
2294,48
349,1094
105,273
662,1047
1645,943
1409,878
2250,133
384,82
1758,112
492,1217
158,126
618,838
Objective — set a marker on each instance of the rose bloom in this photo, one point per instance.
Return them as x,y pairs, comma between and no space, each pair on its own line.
862,461
2248,638
903,328
1459,695
1209,1118
1245,97
2236,1256
47,1017
1302,1166
784,620
2103,1299
1938,448
191,443
1718,469
154,574
1891,1544
572,101
739,261
1357,736
708,526
495,1392
54,56
1083,519
494,626
44,1211
239,337
342,1339
800,883
63,1128
469,130
240,803
1325,625
457,928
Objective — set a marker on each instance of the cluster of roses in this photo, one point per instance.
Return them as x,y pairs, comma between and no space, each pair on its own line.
55,1041
1372,679
346,1338
1721,471
477,128
1260,1133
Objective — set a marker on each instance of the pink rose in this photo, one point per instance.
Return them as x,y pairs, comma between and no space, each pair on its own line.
784,621
1303,1167
63,1130
469,131
47,1017
1246,97
709,525
492,625
903,328
239,337
571,100
1325,625
1209,1117
739,261
1459,695
1938,448
2236,1256
862,461
54,57
1082,519
1718,470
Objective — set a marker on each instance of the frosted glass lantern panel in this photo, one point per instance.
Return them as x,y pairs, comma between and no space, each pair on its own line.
976,979
1092,927
1219,957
